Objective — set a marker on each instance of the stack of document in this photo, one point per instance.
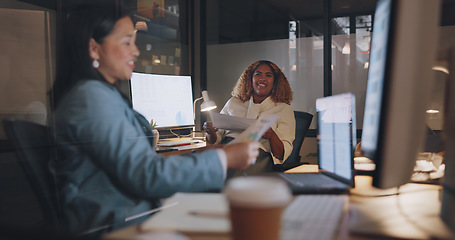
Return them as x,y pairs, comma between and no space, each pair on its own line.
177,142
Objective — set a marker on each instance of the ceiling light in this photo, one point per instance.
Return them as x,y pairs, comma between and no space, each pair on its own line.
141,25
441,66
346,49
432,111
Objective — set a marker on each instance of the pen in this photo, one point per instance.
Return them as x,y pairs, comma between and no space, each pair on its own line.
151,211
208,214
183,144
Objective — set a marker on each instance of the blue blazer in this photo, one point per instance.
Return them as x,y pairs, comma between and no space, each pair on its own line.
105,167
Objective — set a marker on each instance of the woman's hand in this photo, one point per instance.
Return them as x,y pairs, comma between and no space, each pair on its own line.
276,144
241,155
211,130
269,134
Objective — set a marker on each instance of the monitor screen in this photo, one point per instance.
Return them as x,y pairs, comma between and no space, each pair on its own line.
337,135
165,99
403,49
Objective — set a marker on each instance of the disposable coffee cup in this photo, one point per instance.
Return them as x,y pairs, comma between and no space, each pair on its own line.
256,205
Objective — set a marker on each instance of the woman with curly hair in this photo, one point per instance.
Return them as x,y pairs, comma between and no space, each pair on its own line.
261,89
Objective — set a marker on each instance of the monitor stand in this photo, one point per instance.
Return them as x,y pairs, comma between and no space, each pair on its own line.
198,135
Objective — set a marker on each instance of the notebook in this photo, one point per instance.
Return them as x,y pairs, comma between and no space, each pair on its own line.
337,139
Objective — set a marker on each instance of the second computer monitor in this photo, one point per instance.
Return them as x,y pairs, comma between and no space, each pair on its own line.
165,99
403,50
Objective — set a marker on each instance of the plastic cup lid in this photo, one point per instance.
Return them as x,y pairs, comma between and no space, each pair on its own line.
257,191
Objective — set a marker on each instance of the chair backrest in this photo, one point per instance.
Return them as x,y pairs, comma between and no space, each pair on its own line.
34,149
302,124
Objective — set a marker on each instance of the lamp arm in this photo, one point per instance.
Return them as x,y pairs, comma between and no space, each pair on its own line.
194,107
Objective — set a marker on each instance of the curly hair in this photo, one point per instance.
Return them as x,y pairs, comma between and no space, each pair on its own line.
281,91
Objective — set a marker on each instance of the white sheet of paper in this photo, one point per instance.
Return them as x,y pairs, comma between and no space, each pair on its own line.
185,217
255,131
224,121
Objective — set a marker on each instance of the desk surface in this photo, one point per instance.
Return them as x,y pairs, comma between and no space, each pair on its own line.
372,214
182,145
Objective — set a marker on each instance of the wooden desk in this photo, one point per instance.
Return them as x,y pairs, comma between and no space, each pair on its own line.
370,211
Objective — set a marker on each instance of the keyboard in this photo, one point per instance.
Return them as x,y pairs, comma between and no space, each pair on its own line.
314,183
307,179
311,217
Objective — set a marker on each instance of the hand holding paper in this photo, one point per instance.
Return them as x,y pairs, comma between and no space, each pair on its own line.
224,121
255,131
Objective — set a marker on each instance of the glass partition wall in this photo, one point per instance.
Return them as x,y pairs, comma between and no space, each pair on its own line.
292,36
30,37
31,34
321,46
27,61
350,58
230,35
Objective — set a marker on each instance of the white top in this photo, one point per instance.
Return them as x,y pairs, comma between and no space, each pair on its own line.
284,127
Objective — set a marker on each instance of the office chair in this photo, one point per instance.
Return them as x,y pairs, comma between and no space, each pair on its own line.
33,146
302,124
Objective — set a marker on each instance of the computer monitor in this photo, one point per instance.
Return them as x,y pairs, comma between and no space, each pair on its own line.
337,137
165,99
403,50
448,193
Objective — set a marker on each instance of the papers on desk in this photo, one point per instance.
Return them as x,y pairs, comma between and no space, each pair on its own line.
194,212
224,121
177,142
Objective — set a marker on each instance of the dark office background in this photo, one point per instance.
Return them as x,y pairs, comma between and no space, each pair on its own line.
185,32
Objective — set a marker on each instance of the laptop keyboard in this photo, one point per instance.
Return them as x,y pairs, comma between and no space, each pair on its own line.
308,179
313,217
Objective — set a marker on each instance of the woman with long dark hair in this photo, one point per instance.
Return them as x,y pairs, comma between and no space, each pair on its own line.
106,169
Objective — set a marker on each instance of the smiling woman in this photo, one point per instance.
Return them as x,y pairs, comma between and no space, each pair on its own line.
107,170
116,54
261,89
263,80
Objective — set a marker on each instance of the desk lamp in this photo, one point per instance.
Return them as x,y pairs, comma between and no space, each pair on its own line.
207,105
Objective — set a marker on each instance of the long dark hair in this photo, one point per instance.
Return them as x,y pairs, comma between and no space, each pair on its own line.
74,61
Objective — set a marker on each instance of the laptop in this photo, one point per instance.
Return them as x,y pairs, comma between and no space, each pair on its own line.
337,139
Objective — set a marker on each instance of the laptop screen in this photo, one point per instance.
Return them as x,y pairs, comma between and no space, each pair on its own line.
337,135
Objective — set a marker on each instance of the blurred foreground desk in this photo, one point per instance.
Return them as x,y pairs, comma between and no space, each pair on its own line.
372,214
413,213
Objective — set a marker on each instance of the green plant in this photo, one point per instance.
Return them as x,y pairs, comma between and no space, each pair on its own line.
152,124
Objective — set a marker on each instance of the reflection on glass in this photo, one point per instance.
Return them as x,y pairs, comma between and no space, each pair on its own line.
159,38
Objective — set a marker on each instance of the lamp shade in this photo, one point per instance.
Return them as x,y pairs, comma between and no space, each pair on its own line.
208,104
